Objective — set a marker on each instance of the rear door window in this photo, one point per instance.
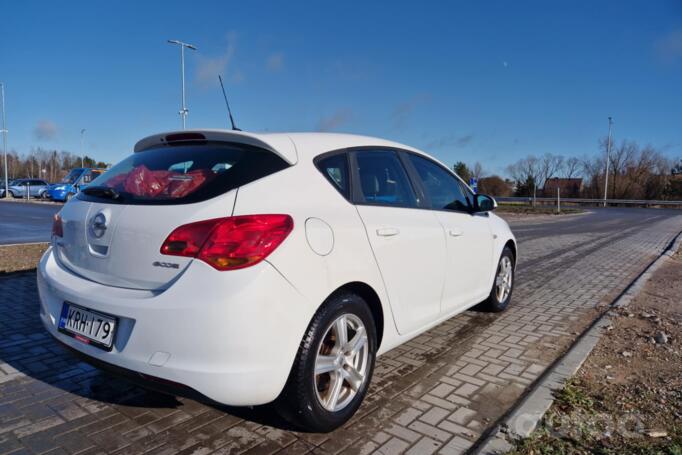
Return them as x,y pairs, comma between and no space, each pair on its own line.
383,179
182,174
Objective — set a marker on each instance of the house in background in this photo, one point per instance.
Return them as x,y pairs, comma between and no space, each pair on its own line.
568,187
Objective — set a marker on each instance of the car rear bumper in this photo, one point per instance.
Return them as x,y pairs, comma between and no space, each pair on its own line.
230,336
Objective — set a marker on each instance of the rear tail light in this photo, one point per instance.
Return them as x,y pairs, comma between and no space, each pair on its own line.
229,243
57,228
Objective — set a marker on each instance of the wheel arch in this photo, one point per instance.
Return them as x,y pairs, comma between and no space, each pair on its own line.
370,296
512,246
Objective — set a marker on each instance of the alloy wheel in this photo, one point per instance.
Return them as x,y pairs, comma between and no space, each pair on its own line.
503,281
342,362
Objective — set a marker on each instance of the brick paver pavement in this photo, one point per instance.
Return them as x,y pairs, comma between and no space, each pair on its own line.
435,394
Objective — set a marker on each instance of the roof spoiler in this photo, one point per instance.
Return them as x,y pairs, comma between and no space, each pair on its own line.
280,145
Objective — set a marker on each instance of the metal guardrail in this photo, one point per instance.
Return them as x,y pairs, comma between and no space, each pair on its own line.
553,200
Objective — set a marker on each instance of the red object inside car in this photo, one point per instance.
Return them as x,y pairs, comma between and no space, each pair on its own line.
167,184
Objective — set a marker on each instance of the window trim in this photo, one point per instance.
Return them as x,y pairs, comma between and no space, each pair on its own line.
423,201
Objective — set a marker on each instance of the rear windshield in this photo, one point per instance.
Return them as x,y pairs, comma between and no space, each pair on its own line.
72,176
182,174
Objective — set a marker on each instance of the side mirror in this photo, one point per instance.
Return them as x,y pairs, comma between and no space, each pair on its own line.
484,203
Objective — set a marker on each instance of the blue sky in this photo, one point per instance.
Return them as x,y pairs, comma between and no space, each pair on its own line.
487,81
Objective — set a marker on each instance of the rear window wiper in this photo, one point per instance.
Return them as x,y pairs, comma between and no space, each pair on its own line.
102,191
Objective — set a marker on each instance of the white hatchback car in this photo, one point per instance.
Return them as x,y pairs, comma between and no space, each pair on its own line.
253,268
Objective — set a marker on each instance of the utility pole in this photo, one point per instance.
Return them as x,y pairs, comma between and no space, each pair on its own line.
183,110
608,155
81,153
4,136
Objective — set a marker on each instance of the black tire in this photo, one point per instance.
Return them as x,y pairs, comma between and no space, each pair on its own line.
11,193
43,195
300,402
493,302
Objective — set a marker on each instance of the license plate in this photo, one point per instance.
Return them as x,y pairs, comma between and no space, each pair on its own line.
88,326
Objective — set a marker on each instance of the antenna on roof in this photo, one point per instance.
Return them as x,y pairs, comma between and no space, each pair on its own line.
229,112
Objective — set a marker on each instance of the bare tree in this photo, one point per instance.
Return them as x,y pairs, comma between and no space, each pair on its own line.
477,171
525,172
619,159
549,165
592,169
571,168
51,165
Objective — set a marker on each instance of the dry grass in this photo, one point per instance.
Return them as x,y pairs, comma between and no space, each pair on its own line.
15,258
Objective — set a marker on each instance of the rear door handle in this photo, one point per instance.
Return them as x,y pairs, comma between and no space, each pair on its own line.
387,232
454,232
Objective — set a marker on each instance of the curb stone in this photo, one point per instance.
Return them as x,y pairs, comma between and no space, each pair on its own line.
526,415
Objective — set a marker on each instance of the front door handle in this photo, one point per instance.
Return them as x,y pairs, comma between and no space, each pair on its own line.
455,232
387,232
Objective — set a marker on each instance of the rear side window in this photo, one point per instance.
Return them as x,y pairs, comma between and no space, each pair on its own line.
383,179
442,188
335,169
183,174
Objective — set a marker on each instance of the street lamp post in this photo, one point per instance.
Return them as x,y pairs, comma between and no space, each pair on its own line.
183,110
608,154
4,137
81,151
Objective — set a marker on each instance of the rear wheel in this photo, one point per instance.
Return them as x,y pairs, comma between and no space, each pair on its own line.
501,293
11,193
333,367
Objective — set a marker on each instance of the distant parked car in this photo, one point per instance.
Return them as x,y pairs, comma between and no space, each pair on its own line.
75,181
19,188
2,187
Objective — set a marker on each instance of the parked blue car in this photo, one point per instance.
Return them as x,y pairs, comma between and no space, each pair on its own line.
74,182
19,188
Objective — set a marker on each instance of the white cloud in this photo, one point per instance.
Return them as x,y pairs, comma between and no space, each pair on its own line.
401,113
450,141
275,62
45,130
338,118
669,47
208,68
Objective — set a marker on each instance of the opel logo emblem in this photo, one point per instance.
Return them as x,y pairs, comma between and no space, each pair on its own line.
99,225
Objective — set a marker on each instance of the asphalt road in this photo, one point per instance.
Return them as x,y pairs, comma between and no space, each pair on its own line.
439,392
595,221
22,222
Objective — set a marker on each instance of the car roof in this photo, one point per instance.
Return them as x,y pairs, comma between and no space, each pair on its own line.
290,146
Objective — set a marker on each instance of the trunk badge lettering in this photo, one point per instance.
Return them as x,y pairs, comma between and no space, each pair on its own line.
167,265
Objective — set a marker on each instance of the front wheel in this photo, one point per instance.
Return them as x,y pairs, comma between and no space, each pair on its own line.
501,293
334,366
